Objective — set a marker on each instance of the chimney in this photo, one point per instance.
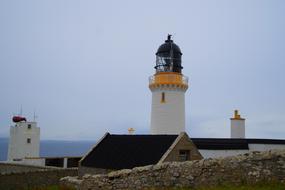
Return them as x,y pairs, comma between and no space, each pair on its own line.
237,126
131,131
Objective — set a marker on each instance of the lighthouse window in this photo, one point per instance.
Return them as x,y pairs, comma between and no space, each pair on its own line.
162,97
28,140
29,126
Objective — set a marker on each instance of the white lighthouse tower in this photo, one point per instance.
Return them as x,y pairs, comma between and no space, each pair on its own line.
24,140
168,86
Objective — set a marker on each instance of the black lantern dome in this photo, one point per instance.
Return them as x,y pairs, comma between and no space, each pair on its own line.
168,57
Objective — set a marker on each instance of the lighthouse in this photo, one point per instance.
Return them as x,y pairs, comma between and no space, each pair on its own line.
168,86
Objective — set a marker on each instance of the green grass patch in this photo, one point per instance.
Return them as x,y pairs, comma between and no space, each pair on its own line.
249,187
261,186
51,188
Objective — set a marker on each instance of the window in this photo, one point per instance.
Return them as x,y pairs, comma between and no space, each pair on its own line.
184,155
29,126
28,140
17,159
162,97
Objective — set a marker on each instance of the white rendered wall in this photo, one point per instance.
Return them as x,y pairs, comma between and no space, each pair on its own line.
264,147
252,147
19,148
34,161
237,128
221,153
168,117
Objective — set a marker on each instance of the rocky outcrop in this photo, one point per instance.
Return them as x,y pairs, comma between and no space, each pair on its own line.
249,168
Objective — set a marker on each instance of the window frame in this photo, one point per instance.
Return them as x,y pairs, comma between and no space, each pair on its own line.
184,154
162,100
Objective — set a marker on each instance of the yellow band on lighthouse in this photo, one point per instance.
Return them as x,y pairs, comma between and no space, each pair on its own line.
168,78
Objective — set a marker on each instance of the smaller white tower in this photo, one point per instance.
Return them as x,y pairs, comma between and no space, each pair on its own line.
237,126
24,140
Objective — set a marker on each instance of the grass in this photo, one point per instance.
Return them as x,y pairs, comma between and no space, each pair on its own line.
249,187
262,186
51,188
259,186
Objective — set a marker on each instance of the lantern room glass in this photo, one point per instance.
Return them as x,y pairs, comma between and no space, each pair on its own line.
166,63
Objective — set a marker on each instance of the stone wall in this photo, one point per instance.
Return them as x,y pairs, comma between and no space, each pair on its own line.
17,177
92,171
249,168
6,168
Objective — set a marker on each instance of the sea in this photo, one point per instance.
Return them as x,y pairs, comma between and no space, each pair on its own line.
53,148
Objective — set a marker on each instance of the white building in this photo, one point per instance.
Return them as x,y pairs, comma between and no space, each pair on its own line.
24,140
237,144
24,147
168,86
222,147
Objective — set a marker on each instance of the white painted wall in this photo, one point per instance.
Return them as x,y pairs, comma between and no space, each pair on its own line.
34,161
168,117
221,153
65,160
19,148
252,147
237,128
264,147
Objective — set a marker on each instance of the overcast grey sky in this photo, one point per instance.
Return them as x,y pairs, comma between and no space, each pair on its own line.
84,65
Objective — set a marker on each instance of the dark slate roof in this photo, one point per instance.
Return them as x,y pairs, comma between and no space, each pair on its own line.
231,144
128,151
265,141
220,143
